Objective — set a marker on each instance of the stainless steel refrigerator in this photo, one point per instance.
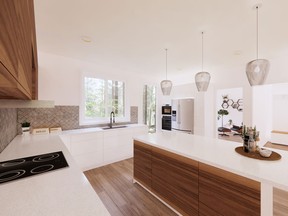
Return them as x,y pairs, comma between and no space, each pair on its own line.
183,115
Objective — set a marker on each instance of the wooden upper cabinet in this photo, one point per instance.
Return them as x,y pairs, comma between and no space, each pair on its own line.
18,51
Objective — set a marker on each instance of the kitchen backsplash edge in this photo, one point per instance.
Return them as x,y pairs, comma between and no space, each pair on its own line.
8,126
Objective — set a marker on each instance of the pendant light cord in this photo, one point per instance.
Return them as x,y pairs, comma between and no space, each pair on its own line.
202,51
257,37
166,64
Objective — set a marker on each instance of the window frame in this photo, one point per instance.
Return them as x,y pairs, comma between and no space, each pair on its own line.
100,120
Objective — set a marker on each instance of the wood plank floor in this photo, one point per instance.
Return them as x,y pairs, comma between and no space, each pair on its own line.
113,184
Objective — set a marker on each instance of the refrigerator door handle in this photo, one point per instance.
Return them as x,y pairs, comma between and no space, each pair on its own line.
178,114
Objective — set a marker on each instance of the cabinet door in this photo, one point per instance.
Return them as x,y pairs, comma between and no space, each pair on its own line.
87,149
118,144
175,180
226,193
142,163
18,52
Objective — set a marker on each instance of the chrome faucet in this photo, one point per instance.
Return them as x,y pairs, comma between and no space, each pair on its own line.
112,119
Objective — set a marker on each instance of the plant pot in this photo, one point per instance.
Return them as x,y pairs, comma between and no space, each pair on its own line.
25,130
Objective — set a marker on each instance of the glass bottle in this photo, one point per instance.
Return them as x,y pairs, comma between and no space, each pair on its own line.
246,143
251,143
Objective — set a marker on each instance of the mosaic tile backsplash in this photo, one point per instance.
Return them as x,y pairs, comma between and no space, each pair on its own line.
66,117
8,126
134,114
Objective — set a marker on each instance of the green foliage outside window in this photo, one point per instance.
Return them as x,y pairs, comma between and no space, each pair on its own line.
102,97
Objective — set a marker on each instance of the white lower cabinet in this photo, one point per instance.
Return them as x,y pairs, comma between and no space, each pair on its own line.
87,149
98,148
117,145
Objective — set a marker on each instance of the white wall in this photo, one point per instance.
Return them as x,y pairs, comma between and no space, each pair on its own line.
60,80
270,104
236,116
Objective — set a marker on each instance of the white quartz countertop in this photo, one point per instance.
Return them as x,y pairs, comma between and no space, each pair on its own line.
61,192
221,154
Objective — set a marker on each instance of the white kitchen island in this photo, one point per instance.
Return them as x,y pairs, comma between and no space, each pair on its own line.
61,192
221,154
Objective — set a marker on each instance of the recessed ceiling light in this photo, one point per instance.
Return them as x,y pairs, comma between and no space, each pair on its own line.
86,39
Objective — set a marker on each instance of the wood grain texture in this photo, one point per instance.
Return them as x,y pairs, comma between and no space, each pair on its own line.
280,202
175,180
114,185
227,193
142,163
205,211
18,51
276,146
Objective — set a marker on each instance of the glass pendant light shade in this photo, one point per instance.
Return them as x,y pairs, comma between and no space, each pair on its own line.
257,71
166,87
202,80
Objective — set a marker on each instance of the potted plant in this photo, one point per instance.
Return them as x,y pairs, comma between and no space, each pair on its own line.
221,113
25,127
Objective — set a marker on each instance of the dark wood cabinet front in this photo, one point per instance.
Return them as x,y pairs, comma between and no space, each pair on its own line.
142,163
226,193
18,51
194,188
175,180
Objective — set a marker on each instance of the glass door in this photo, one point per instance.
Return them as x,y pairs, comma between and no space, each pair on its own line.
149,107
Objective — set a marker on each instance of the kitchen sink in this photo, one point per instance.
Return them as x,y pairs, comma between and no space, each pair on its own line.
114,127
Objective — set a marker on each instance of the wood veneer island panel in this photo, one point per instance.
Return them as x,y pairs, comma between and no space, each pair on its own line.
175,180
280,202
194,188
227,193
142,163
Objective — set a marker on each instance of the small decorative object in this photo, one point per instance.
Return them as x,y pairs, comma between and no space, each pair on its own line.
25,128
202,78
166,85
265,152
257,70
250,137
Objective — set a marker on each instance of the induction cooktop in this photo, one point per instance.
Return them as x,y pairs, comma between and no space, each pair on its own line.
29,166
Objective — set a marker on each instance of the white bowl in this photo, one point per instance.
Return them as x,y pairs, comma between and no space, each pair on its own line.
265,152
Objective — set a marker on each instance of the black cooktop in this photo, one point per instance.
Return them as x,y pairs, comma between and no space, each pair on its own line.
29,166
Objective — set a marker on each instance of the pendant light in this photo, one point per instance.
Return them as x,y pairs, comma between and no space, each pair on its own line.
257,70
166,85
202,78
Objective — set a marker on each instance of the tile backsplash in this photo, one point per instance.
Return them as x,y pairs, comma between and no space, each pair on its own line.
8,126
66,117
134,114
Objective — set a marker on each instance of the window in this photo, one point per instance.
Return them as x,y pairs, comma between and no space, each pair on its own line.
149,107
100,97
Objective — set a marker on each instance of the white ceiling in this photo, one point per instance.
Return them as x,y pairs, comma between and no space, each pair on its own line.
132,34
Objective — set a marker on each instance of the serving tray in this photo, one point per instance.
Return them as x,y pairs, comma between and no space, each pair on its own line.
273,157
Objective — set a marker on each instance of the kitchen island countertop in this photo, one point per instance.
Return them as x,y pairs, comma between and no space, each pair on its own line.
64,191
221,154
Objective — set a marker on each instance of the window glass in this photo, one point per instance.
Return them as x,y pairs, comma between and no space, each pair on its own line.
149,107
103,96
